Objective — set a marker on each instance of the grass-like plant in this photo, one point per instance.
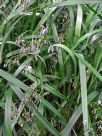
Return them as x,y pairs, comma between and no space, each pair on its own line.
50,68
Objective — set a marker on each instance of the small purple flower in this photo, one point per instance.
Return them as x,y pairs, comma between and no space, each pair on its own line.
5,65
25,50
35,50
44,31
28,69
20,42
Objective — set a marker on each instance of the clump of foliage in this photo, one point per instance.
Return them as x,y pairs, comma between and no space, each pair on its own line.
50,67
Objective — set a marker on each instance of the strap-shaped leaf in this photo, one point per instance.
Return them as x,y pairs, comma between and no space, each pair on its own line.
83,83
95,72
74,2
13,80
54,91
8,112
51,107
76,115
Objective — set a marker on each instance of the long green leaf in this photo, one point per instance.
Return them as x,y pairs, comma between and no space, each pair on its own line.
69,51
54,91
13,80
79,21
83,83
73,2
89,66
86,36
8,112
76,115
50,107
6,36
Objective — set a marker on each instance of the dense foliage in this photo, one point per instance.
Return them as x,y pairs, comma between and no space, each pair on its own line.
50,67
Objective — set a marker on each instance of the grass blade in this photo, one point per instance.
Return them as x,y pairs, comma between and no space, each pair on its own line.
76,115
5,38
79,21
13,80
69,51
8,112
84,95
74,2
55,92
50,107
89,66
